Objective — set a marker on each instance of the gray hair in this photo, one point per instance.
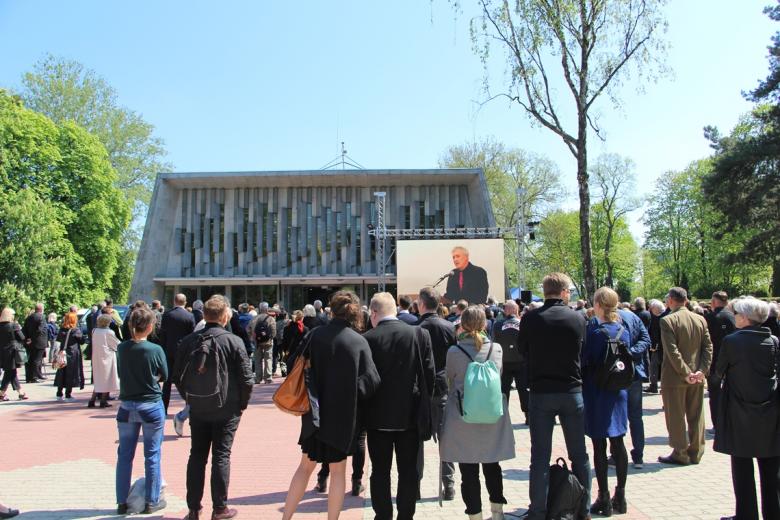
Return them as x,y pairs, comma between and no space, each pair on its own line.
317,304
639,303
262,307
774,310
755,310
656,304
308,310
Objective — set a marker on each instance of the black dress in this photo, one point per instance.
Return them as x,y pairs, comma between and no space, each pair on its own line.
343,375
73,374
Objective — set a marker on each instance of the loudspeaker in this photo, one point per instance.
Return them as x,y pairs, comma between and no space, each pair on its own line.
525,297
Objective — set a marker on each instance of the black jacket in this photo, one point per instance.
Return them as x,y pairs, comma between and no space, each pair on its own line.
748,416
176,324
646,316
342,374
551,337
292,338
475,285
394,347
11,340
36,331
73,374
720,323
506,333
655,331
232,353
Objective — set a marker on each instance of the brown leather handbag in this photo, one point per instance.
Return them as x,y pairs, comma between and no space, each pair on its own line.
292,396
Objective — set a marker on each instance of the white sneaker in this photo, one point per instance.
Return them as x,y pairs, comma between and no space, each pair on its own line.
178,425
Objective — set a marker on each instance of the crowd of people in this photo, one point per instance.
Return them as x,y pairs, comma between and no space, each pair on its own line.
394,373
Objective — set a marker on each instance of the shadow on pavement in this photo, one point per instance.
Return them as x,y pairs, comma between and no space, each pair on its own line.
311,502
96,514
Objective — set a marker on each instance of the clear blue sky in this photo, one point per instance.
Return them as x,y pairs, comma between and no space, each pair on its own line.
246,85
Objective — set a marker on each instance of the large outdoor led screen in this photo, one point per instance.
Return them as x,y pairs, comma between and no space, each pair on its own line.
469,269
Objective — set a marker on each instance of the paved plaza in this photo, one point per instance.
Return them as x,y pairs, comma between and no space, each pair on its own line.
59,464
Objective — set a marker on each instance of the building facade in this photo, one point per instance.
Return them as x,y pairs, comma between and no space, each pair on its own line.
291,236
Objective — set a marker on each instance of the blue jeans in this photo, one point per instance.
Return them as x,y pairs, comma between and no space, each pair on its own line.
542,411
635,423
130,418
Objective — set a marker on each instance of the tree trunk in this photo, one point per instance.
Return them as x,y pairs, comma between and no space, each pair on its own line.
608,281
584,193
776,276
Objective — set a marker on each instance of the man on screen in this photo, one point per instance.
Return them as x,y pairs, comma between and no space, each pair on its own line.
468,282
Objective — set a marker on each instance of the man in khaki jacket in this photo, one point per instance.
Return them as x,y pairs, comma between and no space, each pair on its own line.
687,360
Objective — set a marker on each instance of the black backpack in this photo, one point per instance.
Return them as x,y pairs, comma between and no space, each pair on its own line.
263,330
616,372
204,377
565,493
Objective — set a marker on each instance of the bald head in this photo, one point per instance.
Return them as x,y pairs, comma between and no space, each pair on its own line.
180,300
39,307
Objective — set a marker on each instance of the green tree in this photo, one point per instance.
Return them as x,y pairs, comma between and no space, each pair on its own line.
38,260
687,242
587,48
614,178
66,170
65,90
506,170
557,249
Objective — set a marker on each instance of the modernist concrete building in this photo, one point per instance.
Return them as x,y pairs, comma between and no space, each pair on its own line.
292,236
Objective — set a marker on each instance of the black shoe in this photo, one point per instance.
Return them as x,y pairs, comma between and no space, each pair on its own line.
322,485
603,505
10,513
153,508
106,405
619,501
651,389
121,509
611,461
91,404
357,488
449,493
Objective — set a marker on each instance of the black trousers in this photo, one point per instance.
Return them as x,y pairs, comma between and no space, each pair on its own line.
9,377
381,445
713,388
358,460
745,488
167,384
30,371
517,372
470,489
216,436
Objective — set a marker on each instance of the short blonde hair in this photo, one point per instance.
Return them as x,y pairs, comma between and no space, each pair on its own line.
555,283
383,303
215,307
608,301
7,315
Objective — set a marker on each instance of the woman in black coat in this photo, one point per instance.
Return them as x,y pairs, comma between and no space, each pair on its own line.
72,375
11,340
292,336
342,374
749,408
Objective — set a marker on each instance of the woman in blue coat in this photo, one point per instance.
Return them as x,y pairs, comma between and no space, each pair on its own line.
606,412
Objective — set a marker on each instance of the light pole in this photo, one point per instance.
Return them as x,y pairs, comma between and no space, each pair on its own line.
521,228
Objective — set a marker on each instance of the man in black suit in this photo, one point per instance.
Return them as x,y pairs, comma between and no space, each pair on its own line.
390,415
721,322
551,337
514,366
404,303
37,339
442,333
176,324
468,281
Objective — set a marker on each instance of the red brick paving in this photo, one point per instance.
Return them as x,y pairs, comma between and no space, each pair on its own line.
265,452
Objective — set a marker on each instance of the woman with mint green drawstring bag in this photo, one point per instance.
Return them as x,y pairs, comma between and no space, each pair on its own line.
472,444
